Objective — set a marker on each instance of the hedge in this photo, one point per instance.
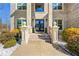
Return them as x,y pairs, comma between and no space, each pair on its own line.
10,43
71,36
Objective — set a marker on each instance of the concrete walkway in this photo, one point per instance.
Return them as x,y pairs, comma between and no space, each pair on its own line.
37,46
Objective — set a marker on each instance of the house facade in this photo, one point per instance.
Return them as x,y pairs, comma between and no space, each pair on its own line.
40,17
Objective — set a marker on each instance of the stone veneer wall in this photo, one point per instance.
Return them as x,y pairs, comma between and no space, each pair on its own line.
73,14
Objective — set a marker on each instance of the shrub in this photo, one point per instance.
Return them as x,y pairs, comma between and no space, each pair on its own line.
10,43
15,31
3,38
6,36
71,36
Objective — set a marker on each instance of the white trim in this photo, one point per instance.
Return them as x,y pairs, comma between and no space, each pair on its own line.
16,6
21,18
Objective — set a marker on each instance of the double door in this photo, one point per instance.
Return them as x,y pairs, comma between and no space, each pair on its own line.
39,25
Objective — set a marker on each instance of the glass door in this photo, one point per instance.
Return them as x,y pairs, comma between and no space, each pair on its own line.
39,25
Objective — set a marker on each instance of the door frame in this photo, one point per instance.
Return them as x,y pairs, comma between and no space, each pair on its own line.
45,24
39,24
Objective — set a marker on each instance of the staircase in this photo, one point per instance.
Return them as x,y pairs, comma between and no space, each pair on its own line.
39,37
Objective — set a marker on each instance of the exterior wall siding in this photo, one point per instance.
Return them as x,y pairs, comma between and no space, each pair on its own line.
73,13
20,14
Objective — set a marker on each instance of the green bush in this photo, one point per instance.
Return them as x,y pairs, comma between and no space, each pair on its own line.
71,36
8,38
5,36
10,43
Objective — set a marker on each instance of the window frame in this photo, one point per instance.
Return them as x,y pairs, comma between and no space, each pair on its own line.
57,22
21,6
21,20
35,8
57,7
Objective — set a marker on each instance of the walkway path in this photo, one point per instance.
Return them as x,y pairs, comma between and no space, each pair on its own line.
38,45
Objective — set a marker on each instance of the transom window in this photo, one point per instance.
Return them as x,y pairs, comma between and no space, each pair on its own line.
21,6
39,7
57,6
59,23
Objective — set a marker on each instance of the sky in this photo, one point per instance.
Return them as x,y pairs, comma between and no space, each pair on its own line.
5,12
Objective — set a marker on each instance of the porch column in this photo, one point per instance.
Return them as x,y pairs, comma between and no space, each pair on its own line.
12,23
29,17
50,19
46,7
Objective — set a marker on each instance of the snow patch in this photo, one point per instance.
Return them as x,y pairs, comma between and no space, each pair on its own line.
7,51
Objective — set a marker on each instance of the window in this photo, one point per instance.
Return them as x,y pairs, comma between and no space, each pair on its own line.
57,6
20,22
21,6
59,23
39,7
